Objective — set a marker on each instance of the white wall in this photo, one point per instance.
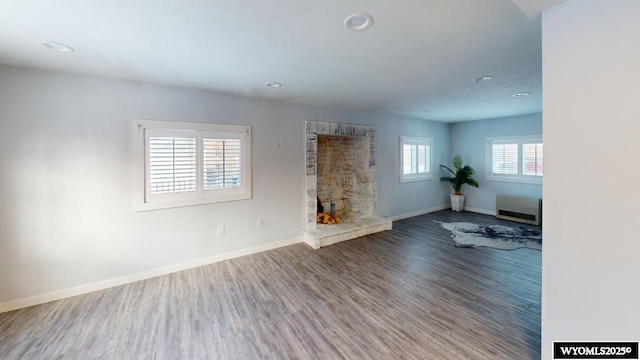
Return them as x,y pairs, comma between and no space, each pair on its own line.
66,215
591,54
397,199
469,140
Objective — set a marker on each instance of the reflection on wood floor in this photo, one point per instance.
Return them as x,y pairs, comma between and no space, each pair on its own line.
401,294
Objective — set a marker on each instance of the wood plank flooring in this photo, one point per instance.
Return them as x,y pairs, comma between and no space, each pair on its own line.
401,294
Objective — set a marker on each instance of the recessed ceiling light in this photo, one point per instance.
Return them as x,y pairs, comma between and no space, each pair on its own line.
383,104
484,78
58,46
273,84
521,94
358,22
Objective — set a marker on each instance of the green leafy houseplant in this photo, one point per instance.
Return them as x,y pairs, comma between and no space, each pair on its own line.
462,175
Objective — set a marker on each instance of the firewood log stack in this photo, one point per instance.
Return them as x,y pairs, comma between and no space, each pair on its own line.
324,218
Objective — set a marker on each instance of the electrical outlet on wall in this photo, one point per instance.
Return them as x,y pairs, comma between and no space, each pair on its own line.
259,222
221,230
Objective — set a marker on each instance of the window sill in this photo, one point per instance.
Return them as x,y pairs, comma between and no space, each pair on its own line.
516,179
416,178
169,204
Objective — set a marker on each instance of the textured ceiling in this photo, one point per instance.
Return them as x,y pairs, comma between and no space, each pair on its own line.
418,55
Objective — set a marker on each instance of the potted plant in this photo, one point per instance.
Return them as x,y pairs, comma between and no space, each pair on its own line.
462,175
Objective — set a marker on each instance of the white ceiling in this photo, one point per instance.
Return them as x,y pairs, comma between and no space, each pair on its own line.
418,55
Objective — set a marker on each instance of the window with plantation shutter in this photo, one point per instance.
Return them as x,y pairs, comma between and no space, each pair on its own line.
532,159
172,164
222,163
504,159
415,158
515,159
183,164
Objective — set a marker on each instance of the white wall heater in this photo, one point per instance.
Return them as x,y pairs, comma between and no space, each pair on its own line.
518,208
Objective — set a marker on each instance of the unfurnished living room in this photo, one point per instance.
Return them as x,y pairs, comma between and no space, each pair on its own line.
318,180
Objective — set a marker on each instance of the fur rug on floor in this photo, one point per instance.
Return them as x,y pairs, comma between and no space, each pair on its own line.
494,236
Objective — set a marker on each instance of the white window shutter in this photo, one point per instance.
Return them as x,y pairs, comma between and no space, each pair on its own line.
172,164
423,159
504,159
407,159
222,163
532,159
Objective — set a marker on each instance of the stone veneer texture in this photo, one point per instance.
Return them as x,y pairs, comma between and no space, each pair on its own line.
340,163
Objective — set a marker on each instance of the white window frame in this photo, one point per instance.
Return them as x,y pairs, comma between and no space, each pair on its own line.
144,201
519,177
415,140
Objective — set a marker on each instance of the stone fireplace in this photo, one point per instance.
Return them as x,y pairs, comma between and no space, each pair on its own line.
341,169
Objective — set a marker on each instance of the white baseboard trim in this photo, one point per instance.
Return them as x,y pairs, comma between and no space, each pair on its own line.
480,211
418,213
126,279
309,240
